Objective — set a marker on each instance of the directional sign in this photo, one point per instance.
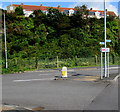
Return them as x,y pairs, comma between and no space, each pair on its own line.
105,49
108,40
102,43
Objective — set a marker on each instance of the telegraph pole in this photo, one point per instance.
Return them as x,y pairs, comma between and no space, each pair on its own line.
6,62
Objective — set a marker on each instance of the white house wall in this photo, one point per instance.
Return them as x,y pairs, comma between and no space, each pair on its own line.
27,13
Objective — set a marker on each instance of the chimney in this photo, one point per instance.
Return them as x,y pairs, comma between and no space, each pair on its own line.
21,4
40,4
58,6
91,8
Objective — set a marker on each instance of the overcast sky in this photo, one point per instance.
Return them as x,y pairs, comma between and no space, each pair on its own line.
111,5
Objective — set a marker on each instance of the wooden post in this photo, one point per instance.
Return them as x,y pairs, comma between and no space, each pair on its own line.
96,60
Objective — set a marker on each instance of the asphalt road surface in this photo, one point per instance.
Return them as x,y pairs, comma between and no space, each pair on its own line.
39,89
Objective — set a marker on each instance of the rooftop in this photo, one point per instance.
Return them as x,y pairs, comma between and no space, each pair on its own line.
43,8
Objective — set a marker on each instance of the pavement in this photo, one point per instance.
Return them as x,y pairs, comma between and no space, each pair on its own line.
75,77
106,100
14,108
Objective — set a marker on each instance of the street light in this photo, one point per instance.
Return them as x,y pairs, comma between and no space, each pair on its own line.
6,62
105,66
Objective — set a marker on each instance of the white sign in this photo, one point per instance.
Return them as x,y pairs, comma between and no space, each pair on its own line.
105,49
108,40
102,43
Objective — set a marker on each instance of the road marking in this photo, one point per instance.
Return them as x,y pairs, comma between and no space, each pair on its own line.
71,70
28,80
116,78
86,69
44,74
42,71
114,67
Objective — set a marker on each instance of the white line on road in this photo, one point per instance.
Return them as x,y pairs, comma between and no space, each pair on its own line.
116,78
44,74
33,80
71,70
114,67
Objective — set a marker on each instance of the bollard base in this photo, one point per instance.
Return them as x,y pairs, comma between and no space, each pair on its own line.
61,78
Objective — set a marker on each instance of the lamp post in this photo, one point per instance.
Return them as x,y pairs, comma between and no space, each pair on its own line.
105,50
105,63
6,62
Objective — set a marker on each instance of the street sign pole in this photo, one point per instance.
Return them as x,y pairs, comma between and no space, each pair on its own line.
108,64
101,73
105,63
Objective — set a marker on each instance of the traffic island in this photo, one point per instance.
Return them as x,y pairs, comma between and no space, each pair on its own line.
85,78
79,78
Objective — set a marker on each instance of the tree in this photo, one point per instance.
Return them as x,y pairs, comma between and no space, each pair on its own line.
19,10
40,34
56,34
80,18
39,17
82,11
19,39
53,17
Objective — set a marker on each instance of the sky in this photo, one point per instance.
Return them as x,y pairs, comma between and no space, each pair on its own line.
111,5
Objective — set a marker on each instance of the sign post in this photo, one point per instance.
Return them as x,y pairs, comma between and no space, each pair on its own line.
101,73
108,64
106,51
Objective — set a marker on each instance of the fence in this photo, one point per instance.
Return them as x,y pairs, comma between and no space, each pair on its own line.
17,65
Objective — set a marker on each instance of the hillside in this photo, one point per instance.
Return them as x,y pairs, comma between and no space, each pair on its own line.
43,37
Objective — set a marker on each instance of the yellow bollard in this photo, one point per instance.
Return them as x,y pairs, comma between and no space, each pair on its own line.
64,72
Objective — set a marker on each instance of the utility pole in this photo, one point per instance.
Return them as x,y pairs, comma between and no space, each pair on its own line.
6,62
105,63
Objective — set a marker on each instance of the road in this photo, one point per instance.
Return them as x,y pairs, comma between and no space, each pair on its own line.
39,89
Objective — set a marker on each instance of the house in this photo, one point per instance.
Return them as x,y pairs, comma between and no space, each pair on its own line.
100,14
28,10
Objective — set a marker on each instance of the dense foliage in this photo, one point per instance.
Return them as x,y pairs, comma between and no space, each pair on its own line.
57,34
